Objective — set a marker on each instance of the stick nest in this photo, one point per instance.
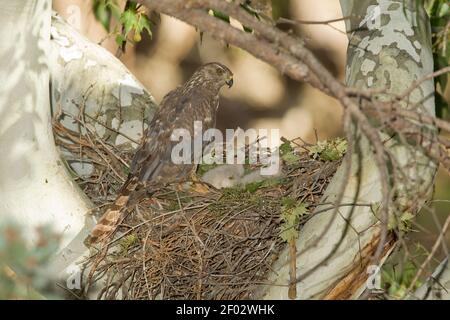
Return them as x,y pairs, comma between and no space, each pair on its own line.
190,245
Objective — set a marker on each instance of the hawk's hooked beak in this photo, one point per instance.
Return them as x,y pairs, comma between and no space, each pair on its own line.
229,82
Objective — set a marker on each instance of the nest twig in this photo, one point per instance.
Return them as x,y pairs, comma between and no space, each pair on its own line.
190,245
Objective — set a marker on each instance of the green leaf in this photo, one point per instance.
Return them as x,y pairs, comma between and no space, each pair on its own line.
290,215
143,23
120,39
288,234
129,20
300,210
205,167
406,216
126,242
22,265
114,8
329,150
286,147
287,153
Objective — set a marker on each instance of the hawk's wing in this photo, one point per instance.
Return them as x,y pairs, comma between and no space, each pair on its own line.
153,158
153,149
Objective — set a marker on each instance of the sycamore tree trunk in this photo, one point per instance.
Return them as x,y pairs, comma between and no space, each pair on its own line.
89,83
389,47
35,188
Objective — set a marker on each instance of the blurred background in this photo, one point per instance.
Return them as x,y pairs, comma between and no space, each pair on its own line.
261,97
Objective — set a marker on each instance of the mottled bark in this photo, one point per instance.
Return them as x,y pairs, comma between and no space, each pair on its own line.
88,79
35,188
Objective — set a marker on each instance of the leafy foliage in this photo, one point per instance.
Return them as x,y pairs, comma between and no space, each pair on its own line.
268,10
291,212
104,10
131,20
403,222
22,266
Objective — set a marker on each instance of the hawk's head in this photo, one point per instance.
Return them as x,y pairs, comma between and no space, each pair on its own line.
214,75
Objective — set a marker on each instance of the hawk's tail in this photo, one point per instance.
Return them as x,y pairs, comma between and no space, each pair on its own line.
108,222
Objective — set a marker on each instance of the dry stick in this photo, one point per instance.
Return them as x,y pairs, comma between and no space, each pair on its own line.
144,266
112,129
432,146
292,292
92,144
380,161
299,21
326,22
208,272
294,45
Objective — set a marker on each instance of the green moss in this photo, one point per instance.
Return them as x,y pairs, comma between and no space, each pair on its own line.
203,168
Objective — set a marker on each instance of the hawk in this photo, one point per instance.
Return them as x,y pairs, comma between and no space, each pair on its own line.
152,165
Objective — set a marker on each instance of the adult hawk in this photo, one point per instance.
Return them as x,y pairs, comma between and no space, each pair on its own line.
196,100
